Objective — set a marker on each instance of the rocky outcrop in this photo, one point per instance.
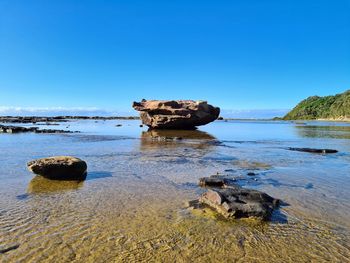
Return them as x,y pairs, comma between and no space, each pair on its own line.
19,129
59,168
37,119
176,114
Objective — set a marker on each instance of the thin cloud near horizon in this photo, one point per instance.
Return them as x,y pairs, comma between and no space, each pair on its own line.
95,111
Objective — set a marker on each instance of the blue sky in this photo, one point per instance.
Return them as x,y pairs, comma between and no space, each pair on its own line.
244,56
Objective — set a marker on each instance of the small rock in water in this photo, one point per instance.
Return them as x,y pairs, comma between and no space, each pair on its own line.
237,202
213,181
312,150
251,174
3,249
141,125
59,168
118,125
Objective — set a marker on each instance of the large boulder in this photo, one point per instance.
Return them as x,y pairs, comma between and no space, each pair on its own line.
59,168
176,114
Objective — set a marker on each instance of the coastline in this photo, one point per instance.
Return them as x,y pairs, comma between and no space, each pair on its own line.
33,119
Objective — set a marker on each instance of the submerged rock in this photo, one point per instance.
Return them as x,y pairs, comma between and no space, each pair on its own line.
59,168
232,201
237,202
216,181
176,114
212,181
312,150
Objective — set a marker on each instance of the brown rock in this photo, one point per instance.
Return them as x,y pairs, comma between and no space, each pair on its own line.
176,114
59,168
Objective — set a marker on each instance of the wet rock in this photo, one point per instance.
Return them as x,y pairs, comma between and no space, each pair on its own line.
16,129
4,249
19,129
237,202
118,125
175,114
251,174
29,119
212,181
59,168
36,119
194,204
312,150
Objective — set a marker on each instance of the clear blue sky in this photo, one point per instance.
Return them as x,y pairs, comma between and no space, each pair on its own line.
236,54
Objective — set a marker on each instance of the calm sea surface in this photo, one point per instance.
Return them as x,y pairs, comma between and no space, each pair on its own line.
132,205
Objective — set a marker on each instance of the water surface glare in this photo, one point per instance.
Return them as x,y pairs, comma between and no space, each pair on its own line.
132,207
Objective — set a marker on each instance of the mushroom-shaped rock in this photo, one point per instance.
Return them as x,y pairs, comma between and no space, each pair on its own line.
176,114
59,168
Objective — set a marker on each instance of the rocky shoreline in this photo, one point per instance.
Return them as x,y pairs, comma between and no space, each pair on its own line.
19,129
35,119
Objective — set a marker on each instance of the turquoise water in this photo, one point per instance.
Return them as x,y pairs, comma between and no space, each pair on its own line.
131,207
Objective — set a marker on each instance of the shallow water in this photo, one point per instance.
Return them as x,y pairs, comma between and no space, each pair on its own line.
132,205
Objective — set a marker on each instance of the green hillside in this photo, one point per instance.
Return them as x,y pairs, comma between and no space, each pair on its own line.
328,107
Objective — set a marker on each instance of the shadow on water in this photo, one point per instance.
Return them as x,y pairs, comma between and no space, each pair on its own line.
246,181
160,139
277,217
98,175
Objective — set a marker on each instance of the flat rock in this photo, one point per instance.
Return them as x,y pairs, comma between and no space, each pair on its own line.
312,150
59,168
237,202
19,129
176,114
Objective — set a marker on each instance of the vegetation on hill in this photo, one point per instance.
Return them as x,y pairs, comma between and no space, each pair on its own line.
328,107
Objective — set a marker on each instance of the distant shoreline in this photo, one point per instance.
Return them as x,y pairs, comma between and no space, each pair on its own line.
34,119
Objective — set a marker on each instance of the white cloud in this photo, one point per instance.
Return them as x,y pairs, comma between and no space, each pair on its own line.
57,111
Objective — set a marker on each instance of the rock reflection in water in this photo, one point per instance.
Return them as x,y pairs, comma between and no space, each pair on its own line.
175,138
40,184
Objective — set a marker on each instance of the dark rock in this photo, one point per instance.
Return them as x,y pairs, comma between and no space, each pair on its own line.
118,125
35,119
141,125
212,181
220,118
59,168
312,150
251,174
4,250
237,202
176,114
18,129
